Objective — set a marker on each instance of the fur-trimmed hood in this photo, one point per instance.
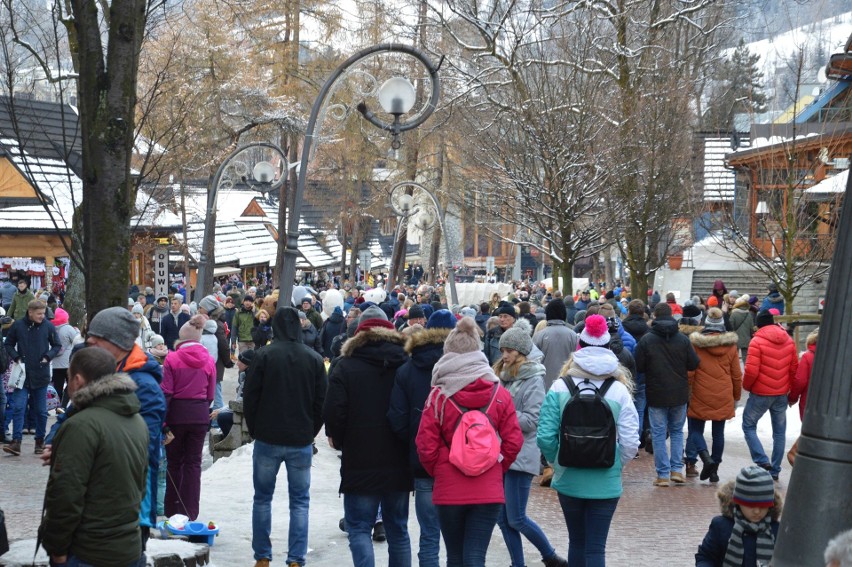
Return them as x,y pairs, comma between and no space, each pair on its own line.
725,494
114,384
702,340
369,336
689,329
426,337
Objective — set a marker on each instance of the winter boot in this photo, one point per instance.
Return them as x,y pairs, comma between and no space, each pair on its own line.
555,561
379,532
262,563
691,471
13,448
709,464
39,446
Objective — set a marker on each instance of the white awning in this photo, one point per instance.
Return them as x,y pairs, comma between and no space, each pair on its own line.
225,271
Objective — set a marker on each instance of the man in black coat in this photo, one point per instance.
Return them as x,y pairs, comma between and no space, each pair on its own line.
171,322
411,388
31,340
283,398
666,356
375,467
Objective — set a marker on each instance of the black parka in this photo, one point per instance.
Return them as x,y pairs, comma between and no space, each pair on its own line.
355,413
666,356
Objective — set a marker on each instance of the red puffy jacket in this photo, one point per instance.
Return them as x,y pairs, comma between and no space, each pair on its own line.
799,389
453,487
771,363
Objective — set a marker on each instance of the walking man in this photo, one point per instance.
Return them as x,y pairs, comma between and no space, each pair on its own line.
666,356
283,399
32,341
770,368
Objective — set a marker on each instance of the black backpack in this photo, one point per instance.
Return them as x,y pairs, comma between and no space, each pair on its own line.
587,430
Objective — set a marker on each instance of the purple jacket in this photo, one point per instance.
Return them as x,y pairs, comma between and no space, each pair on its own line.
189,383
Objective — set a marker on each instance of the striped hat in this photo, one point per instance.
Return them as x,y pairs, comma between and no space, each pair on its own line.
755,488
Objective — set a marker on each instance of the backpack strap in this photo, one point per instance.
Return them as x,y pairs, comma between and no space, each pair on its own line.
572,387
605,386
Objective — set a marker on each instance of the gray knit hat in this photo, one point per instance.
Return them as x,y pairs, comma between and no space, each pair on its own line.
138,309
516,339
115,325
464,338
372,312
209,303
754,487
715,321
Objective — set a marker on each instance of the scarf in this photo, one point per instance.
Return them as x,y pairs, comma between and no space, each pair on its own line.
452,373
763,533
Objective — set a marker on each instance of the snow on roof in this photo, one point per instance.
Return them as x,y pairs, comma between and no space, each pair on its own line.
719,182
834,184
31,218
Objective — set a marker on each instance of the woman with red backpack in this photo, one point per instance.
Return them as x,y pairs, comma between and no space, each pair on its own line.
468,492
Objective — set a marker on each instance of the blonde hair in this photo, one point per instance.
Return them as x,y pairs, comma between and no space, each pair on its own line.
541,325
813,337
511,369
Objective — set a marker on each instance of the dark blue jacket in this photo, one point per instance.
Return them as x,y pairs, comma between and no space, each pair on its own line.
711,552
481,319
411,388
773,301
333,326
169,329
33,342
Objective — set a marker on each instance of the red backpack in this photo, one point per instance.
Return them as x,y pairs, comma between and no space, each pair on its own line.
475,446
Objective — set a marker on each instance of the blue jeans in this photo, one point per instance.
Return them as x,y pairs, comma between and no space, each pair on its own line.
467,532
38,398
588,527
267,460
513,520
695,442
755,407
360,511
3,408
640,402
671,420
427,517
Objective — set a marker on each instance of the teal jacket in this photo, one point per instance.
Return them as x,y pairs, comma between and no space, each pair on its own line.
593,484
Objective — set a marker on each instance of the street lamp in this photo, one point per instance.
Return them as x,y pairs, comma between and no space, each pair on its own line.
423,204
818,498
397,97
262,167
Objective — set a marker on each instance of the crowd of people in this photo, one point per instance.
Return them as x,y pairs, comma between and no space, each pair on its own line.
462,405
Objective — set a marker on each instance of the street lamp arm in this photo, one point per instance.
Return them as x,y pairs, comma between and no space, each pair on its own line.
291,251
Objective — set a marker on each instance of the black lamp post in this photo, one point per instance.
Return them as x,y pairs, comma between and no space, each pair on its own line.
397,98
819,498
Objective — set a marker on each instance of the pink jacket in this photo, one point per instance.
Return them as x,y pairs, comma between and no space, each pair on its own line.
452,487
189,373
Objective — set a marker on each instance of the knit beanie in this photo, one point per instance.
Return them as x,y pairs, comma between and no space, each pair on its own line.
712,301
441,319
415,312
138,309
508,309
595,332
691,311
60,316
763,319
516,339
464,338
246,356
556,311
373,317
117,326
715,321
754,487
157,340
467,312
191,330
209,303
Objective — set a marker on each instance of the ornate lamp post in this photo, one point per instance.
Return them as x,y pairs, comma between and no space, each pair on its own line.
423,203
396,96
818,503
261,166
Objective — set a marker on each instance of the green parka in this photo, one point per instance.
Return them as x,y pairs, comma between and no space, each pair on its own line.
98,470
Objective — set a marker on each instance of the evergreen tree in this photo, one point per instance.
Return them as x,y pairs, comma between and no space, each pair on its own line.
738,90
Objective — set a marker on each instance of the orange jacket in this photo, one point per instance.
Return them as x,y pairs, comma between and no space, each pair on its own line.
717,382
771,363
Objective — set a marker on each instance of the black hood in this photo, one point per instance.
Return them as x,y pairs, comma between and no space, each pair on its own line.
665,327
286,326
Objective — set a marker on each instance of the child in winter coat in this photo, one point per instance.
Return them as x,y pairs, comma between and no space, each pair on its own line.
262,332
744,535
799,388
158,349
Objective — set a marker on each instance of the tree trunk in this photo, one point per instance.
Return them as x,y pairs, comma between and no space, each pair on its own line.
106,88
567,269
